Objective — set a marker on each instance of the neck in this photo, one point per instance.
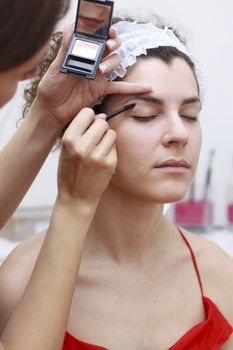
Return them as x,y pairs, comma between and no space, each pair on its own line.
127,228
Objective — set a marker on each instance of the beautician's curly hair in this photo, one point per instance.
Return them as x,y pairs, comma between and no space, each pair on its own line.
31,89
26,25
166,54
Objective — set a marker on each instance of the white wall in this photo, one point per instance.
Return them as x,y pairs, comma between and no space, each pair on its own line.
208,24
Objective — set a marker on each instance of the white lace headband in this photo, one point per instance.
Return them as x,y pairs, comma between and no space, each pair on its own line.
136,38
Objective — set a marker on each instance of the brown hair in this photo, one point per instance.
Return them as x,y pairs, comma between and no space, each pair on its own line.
30,91
26,25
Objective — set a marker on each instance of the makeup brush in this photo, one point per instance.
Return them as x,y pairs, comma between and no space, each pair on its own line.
120,110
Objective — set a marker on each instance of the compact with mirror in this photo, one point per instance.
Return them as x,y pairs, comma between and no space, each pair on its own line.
87,44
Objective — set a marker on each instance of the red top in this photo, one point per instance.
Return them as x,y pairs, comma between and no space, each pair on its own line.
210,334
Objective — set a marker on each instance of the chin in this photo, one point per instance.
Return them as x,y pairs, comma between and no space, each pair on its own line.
174,198
166,192
174,192
168,196
161,197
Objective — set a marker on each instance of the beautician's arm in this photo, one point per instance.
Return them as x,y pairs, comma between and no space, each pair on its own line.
60,97
87,162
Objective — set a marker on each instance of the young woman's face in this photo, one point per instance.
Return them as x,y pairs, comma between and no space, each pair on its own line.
9,79
158,141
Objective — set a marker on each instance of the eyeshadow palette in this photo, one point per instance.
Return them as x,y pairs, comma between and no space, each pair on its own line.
87,44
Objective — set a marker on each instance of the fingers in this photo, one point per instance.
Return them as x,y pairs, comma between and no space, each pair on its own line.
87,160
108,65
121,87
94,134
106,144
87,134
111,158
81,122
112,45
114,41
112,32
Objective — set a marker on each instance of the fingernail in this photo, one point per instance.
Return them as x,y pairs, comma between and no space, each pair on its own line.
147,87
114,29
101,116
111,44
103,68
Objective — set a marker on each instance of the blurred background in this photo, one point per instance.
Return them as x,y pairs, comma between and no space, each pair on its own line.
208,208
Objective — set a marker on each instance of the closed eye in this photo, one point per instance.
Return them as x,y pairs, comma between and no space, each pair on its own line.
141,118
189,118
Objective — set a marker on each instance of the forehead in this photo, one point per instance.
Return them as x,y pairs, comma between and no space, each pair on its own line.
174,77
171,83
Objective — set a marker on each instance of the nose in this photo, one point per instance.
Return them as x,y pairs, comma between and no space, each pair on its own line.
176,131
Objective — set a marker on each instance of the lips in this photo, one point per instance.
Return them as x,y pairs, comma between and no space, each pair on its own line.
90,22
173,163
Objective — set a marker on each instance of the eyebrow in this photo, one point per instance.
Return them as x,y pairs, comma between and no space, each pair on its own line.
158,101
191,100
147,98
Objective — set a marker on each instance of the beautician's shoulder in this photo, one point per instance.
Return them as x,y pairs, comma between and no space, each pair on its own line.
15,273
216,272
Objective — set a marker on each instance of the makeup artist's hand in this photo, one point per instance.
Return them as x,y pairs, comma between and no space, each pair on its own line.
64,95
88,158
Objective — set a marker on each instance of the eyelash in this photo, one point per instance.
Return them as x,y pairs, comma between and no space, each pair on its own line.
144,119
189,119
152,117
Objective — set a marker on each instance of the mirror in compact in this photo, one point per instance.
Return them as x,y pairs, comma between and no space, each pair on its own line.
87,44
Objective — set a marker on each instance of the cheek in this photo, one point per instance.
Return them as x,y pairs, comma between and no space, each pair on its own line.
130,142
130,146
194,148
129,158
198,143
136,148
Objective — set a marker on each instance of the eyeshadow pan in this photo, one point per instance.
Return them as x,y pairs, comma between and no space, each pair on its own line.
85,49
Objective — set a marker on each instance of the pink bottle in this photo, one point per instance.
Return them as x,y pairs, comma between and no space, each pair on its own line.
196,213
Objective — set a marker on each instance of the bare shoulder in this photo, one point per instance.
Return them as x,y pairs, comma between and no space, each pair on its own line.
211,258
216,270
15,273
